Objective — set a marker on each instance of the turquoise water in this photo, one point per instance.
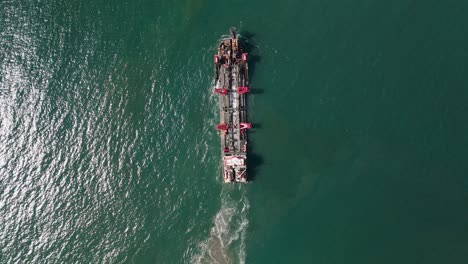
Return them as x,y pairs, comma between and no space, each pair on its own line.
108,152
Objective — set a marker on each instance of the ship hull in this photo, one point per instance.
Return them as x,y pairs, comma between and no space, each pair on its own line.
231,83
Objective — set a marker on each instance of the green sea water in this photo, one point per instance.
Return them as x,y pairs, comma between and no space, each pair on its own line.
108,152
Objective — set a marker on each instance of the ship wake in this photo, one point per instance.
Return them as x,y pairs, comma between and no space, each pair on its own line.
226,243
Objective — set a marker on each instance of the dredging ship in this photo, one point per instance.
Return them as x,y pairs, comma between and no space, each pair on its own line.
232,85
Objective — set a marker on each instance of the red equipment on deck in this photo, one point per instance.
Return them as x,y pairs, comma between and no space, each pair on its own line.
222,127
244,56
243,89
216,59
222,91
245,125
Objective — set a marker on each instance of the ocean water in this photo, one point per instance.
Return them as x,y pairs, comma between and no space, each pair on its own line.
358,152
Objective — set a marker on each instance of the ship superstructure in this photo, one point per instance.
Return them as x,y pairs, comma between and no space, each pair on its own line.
232,85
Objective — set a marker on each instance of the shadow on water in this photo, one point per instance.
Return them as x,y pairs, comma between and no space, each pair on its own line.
255,161
256,125
248,44
256,91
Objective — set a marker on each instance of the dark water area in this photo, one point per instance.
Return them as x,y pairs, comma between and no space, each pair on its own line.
358,152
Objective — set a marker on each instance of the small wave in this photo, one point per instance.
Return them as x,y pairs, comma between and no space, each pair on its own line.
226,243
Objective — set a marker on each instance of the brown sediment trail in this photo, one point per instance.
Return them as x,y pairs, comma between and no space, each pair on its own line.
226,242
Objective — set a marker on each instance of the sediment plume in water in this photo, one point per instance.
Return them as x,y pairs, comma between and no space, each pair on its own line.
226,242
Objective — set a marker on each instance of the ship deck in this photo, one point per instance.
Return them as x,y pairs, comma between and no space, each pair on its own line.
231,82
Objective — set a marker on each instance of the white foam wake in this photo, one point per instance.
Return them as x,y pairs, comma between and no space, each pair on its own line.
226,243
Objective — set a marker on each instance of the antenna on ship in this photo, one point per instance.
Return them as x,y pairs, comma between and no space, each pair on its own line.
233,32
